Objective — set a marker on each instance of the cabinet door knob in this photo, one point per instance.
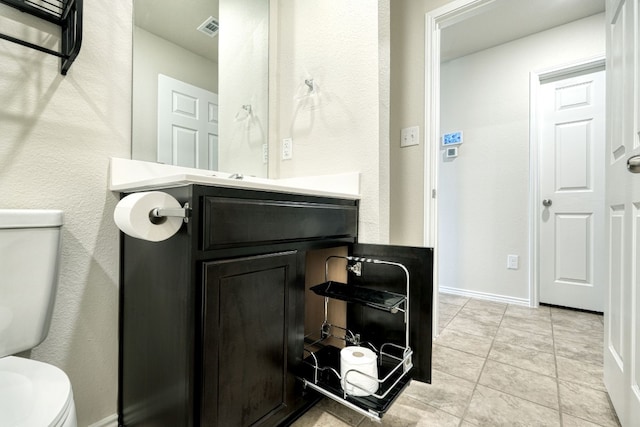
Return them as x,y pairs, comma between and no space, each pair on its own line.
547,202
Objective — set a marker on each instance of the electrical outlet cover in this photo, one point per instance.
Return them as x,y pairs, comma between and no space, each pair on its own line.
287,149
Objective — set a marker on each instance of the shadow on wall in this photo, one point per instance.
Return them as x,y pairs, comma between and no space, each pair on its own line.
25,96
84,330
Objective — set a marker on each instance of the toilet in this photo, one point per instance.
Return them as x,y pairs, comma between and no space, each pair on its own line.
32,393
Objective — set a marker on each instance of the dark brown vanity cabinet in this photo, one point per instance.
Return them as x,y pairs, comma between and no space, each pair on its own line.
212,320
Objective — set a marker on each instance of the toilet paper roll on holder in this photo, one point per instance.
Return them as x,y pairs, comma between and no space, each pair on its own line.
159,215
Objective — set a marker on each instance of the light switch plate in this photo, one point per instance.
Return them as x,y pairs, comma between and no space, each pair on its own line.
410,136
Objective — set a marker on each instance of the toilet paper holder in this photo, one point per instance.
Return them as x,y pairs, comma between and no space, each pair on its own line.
157,214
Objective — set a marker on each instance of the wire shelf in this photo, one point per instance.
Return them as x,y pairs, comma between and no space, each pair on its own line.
322,374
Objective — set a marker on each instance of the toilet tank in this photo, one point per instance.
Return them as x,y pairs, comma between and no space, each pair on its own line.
29,254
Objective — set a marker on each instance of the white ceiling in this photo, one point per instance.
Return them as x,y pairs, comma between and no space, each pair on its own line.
177,21
507,20
501,22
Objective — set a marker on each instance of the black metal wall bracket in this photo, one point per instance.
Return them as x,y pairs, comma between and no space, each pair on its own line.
67,14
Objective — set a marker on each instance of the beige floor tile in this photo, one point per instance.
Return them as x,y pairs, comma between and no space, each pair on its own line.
521,383
443,321
525,339
576,319
473,326
446,392
536,325
493,408
316,417
462,341
449,309
486,306
340,411
489,317
576,371
587,403
525,358
528,312
593,338
583,325
580,350
406,412
457,363
571,421
452,299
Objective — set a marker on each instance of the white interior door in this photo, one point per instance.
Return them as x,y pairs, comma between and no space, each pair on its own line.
571,183
622,313
187,124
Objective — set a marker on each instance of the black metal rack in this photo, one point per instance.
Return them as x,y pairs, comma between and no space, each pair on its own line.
67,14
321,364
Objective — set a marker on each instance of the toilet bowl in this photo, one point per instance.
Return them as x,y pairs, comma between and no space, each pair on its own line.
34,394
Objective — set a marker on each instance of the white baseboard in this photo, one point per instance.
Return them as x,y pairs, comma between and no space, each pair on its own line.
485,296
110,421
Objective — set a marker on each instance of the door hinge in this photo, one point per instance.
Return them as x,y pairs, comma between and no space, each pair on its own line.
433,193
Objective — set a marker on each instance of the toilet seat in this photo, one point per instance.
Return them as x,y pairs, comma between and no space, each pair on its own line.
34,394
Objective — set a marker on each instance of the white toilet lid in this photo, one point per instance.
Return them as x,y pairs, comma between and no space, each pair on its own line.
32,393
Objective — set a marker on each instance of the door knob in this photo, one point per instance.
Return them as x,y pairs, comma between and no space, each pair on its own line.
547,202
633,164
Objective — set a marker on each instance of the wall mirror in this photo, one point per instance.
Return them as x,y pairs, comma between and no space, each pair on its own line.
200,84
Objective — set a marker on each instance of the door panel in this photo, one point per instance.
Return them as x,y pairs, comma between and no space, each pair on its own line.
621,349
572,156
616,307
246,337
572,191
573,237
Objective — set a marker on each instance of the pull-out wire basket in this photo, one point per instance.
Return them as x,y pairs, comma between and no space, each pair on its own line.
321,367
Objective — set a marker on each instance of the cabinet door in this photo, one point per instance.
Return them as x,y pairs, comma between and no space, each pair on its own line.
379,327
247,319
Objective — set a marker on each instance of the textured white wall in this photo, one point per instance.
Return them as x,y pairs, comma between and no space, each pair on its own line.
154,55
57,134
336,43
484,193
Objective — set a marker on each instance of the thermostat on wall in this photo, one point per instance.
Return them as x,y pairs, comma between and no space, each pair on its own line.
452,138
452,152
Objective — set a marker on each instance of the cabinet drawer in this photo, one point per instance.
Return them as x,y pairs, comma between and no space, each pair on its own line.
239,222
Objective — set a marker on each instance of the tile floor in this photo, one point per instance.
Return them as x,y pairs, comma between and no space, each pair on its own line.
500,365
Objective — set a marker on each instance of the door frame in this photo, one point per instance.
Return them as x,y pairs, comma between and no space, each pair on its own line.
442,17
435,20
536,78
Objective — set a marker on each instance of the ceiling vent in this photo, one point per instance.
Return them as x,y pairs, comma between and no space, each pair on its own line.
210,27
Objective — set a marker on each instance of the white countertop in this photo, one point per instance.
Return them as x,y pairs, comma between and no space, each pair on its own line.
135,175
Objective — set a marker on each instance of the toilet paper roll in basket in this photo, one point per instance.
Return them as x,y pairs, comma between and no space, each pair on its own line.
364,361
133,216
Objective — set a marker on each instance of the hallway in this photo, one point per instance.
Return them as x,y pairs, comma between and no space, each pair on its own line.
496,364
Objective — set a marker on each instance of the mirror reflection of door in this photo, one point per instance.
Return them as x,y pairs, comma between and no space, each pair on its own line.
167,41
187,125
